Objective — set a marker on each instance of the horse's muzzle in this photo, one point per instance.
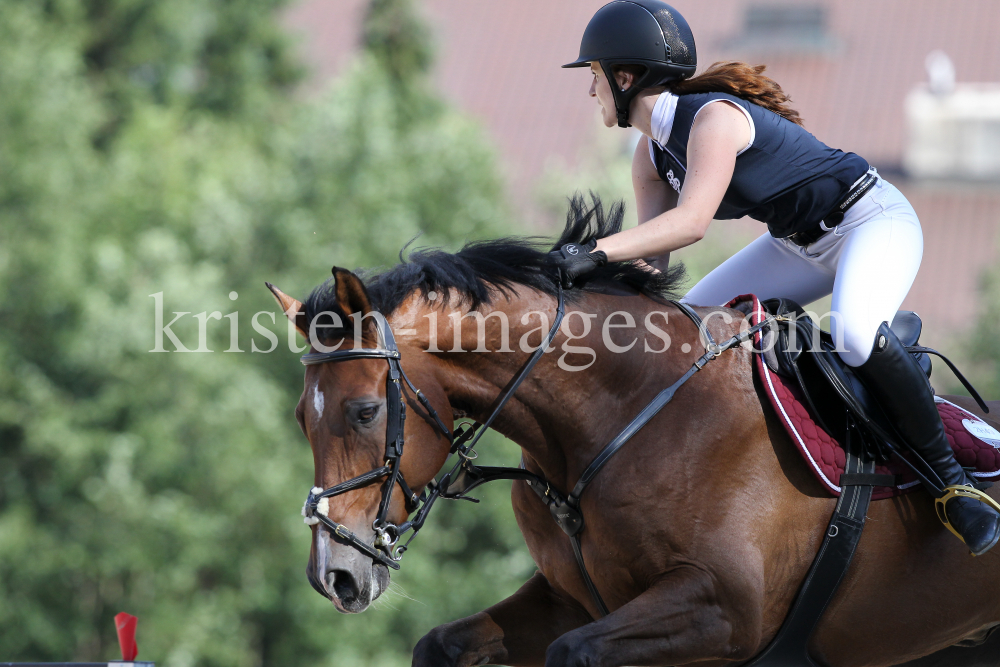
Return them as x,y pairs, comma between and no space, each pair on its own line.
344,576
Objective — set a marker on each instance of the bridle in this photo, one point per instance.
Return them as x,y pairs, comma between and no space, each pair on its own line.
316,510
463,441
465,475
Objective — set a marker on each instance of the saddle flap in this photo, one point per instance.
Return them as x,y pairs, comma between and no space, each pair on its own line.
841,380
816,418
781,348
796,348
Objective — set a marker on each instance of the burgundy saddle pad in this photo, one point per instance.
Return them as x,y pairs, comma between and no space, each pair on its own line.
976,443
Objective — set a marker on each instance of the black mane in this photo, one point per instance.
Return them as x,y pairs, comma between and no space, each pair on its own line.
482,270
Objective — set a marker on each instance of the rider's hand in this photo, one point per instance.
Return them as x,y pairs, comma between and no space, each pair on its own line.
576,260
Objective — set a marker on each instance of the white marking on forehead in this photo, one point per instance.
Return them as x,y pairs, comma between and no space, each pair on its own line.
318,401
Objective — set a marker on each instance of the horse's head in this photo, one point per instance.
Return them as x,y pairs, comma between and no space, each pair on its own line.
351,426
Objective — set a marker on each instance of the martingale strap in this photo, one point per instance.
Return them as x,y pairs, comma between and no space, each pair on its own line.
565,510
572,524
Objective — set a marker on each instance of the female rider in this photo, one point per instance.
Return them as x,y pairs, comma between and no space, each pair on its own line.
725,144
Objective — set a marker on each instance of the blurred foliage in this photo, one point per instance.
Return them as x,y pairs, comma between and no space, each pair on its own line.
225,58
401,44
153,148
979,350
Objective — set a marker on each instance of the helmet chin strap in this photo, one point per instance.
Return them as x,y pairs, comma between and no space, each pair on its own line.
623,98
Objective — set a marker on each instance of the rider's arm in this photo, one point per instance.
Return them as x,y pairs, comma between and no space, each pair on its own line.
719,132
653,196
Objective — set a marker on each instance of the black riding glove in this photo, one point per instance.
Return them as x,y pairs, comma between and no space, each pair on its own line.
576,260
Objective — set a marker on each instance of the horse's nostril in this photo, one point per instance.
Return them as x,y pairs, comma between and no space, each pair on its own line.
341,583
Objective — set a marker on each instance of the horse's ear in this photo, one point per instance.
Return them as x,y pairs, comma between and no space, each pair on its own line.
352,297
293,309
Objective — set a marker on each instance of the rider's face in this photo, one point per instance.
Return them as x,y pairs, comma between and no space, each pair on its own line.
601,89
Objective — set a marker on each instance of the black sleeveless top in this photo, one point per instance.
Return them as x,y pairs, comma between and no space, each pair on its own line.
787,178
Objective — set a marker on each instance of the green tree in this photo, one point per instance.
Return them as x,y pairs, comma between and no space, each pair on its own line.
151,148
980,348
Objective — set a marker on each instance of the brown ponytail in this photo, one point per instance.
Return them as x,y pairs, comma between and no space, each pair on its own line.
743,81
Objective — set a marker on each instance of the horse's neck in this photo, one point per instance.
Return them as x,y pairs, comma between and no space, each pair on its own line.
559,416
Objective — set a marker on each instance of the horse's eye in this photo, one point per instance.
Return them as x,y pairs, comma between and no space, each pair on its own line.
366,415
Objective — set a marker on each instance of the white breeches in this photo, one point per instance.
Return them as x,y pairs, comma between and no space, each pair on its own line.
867,262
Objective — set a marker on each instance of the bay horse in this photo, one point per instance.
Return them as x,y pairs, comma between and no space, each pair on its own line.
698,533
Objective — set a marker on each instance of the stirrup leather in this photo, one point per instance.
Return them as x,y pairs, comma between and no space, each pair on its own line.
951,492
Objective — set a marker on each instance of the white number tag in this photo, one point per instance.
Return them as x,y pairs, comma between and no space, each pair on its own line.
983,431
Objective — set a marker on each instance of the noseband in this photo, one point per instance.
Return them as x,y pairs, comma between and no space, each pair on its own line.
387,534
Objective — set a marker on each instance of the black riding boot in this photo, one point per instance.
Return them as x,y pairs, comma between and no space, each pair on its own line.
902,390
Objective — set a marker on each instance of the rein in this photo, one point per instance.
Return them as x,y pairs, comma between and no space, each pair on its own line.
465,475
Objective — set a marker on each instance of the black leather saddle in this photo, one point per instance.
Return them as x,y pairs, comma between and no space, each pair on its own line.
781,354
794,346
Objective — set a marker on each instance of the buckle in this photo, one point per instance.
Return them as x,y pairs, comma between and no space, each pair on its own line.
952,492
461,435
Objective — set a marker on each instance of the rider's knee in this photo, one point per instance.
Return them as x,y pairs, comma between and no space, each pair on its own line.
853,343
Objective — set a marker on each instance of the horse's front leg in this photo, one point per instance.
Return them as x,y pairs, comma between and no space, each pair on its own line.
516,631
681,619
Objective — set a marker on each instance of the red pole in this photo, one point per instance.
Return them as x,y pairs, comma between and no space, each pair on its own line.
125,625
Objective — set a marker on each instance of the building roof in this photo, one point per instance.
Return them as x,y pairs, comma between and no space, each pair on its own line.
500,61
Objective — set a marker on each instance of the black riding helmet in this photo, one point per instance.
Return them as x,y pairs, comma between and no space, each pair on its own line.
638,32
